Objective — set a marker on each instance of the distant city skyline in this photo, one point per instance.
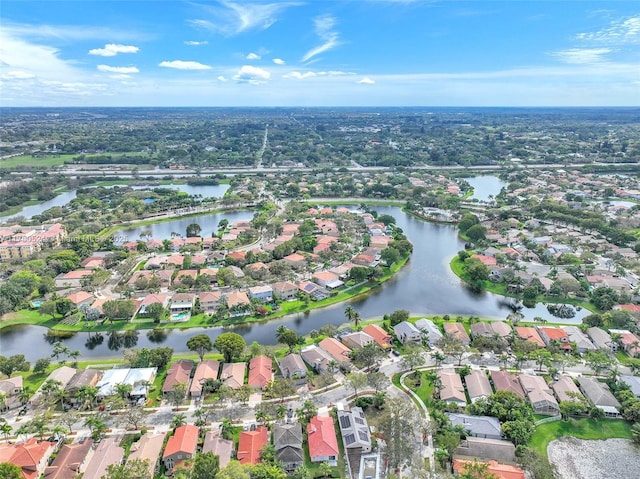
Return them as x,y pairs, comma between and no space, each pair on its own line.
320,53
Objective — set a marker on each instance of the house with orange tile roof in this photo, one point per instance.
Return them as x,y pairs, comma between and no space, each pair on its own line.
179,373
457,331
150,299
209,301
379,335
505,381
321,438
529,334
550,334
335,349
295,260
30,456
500,471
181,446
80,298
260,371
237,298
285,290
72,279
250,445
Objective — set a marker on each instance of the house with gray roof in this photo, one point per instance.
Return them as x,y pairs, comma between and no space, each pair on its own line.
583,344
354,429
601,339
566,390
539,394
481,329
407,333
477,426
634,384
316,357
426,326
287,439
501,328
600,396
292,366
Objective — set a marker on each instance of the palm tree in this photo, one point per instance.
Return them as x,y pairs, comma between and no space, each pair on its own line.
325,469
349,312
178,420
6,429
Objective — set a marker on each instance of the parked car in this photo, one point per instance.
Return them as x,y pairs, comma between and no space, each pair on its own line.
395,353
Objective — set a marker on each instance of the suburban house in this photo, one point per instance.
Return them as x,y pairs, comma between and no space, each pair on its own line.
550,334
107,453
287,439
179,373
71,279
316,357
295,260
428,328
181,446
321,438
477,426
148,448
150,299
407,333
30,456
10,389
62,374
481,329
138,378
456,330
260,371
250,445
328,280
207,369
486,449
539,394
601,339
478,385
530,334
209,301
81,298
579,338
452,390
82,378
501,328
292,367
285,290
629,342
634,384
338,351
313,290
354,429
71,460
357,339
239,301
566,389
263,293
182,302
223,448
232,374
505,381
379,335
496,469
600,396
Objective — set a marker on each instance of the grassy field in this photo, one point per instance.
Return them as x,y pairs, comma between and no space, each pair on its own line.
580,428
49,161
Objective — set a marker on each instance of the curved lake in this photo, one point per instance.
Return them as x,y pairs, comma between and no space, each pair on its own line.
424,286
485,186
30,211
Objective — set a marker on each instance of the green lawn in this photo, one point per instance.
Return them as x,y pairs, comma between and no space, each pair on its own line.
46,161
580,428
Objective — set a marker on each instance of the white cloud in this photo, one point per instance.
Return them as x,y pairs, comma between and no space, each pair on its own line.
278,61
618,32
366,81
120,76
300,76
122,70
251,74
330,39
230,18
112,49
184,65
71,32
18,75
223,79
335,73
193,43
253,56
582,55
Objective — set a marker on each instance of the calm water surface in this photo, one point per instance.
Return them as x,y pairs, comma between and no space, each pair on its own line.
425,286
485,186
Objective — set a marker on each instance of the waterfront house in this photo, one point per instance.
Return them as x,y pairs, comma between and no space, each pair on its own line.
206,369
428,328
260,372
407,333
179,373
232,374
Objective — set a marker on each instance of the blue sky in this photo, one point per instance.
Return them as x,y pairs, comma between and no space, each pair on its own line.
320,53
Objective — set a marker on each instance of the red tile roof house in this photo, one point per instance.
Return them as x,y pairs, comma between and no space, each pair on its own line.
81,297
335,349
549,334
497,470
529,334
379,335
70,460
233,374
31,456
325,278
504,381
149,299
179,373
295,260
181,446
207,369
250,445
209,301
260,371
321,437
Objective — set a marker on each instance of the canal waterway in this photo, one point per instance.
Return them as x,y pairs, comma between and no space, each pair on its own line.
425,285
